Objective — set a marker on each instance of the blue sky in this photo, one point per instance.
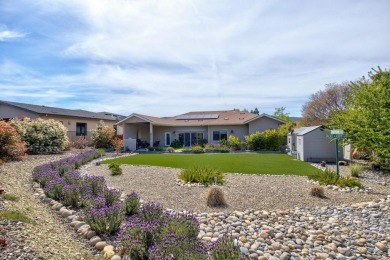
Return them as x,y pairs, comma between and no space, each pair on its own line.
164,58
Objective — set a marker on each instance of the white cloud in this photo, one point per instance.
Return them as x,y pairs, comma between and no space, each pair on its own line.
167,57
6,34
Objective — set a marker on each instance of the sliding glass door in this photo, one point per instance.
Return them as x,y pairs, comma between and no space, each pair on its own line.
190,138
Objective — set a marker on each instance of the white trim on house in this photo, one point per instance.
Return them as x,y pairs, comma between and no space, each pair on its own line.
134,115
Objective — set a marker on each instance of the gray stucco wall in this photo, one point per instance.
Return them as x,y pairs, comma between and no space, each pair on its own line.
318,146
262,124
12,112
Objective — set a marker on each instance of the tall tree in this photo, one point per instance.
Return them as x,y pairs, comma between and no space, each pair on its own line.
256,111
366,117
280,112
324,103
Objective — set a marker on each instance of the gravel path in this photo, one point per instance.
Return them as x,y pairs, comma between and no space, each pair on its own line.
242,191
48,238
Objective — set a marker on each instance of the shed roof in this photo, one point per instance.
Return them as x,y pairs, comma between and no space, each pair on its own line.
306,129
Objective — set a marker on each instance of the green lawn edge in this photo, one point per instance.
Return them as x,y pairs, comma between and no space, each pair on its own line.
275,164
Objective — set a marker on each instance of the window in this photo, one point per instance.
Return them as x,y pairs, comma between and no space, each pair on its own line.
219,135
62,122
81,129
190,138
167,139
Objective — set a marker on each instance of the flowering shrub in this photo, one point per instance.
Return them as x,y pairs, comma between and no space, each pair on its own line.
137,236
131,203
93,201
151,211
94,184
53,188
178,247
181,225
42,136
111,196
103,135
71,195
11,145
224,249
105,220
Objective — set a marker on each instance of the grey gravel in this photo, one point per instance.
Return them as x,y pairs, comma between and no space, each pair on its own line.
242,191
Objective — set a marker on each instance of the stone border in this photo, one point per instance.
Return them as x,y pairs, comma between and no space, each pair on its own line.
77,223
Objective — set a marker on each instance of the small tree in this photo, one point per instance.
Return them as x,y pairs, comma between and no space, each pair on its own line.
117,143
11,145
102,136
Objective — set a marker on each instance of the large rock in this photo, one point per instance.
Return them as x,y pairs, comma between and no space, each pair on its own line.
100,245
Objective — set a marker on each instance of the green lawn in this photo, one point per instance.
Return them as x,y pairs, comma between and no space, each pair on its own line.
234,163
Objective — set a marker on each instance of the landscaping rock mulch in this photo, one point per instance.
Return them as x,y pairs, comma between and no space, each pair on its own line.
46,237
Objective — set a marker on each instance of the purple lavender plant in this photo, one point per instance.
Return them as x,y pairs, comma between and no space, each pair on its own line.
224,248
105,220
151,211
180,225
96,184
53,188
44,175
71,195
131,203
112,195
93,201
137,236
73,177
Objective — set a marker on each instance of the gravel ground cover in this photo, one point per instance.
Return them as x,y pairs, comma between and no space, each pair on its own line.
242,191
46,238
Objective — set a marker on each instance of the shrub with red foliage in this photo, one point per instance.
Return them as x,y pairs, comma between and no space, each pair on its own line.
11,145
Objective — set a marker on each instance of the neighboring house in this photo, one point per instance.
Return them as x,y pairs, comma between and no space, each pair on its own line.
311,144
78,122
190,128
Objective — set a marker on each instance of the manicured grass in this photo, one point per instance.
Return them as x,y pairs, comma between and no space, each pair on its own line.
233,163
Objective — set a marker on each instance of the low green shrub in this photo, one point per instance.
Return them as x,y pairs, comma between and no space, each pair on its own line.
158,149
217,149
151,149
101,152
170,150
329,177
197,149
115,169
355,170
201,174
176,144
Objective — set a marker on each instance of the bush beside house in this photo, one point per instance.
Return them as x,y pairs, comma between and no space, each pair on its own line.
11,145
103,135
42,136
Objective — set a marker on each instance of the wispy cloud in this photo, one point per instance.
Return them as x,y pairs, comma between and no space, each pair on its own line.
7,35
168,57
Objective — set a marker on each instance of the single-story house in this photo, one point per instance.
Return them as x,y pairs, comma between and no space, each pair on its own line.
78,122
311,144
191,127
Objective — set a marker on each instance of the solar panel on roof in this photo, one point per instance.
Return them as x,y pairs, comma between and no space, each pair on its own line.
200,116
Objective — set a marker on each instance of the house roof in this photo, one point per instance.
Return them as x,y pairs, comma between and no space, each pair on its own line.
229,117
305,130
61,111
